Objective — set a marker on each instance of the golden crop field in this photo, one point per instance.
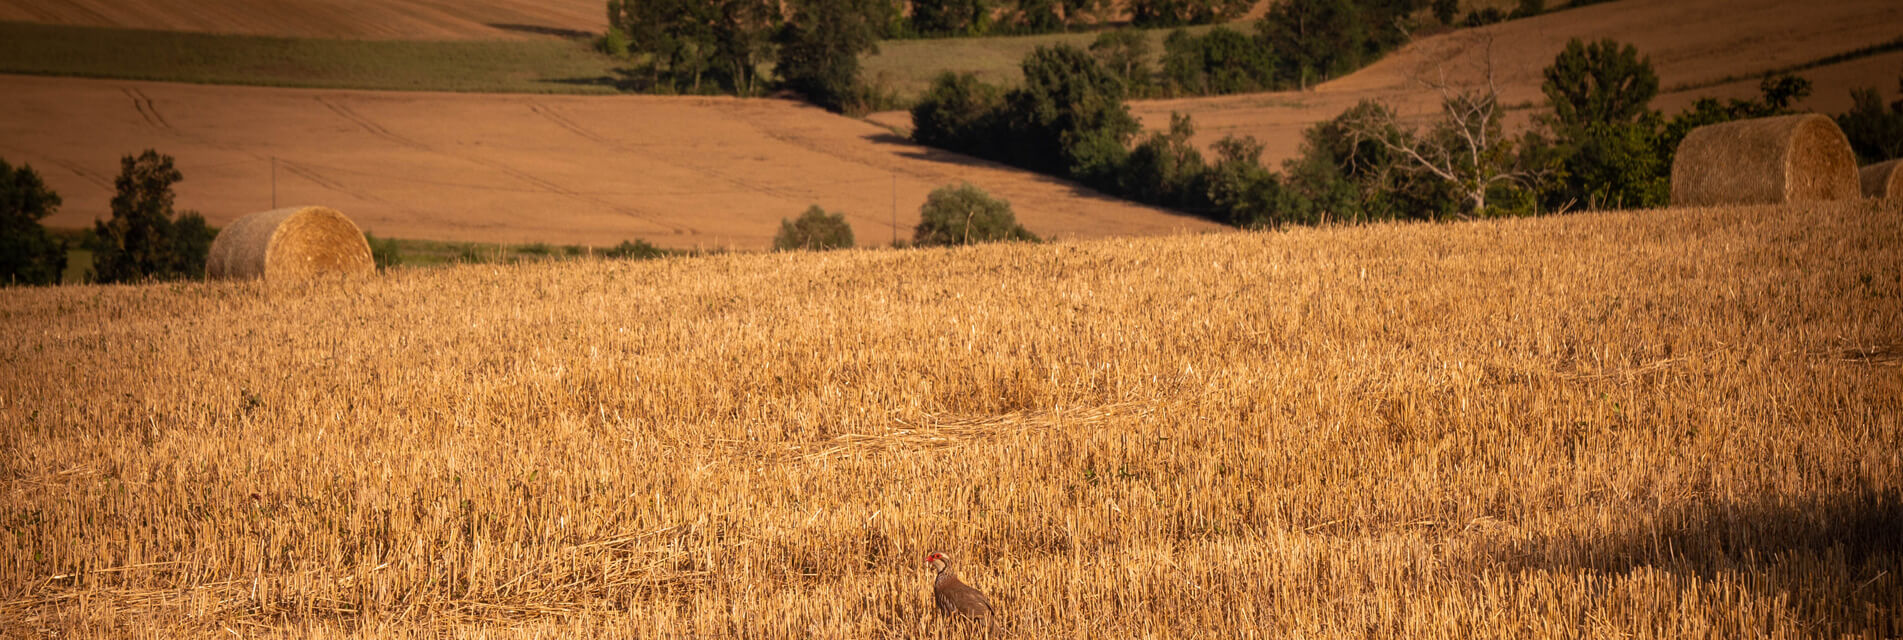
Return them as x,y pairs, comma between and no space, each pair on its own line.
1654,424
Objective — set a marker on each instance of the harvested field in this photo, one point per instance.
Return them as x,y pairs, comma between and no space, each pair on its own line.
1690,42
1662,423
378,19
678,172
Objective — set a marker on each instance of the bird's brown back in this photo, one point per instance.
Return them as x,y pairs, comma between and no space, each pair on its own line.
954,597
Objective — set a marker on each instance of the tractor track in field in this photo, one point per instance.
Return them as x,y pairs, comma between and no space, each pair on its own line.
372,127
585,133
311,173
148,110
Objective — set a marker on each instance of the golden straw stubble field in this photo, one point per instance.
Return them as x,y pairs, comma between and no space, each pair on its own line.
1672,423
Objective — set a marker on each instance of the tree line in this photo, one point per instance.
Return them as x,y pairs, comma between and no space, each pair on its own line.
813,46
145,239
1600,145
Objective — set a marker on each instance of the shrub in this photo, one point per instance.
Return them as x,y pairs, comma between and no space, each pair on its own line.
814,230
965,214
469,253
539,249
613,43
1445,10
145,239
28,254
384,251
635,250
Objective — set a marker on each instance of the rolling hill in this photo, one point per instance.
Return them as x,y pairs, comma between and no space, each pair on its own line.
679,172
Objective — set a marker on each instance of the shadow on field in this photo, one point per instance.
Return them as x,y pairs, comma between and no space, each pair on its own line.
541,30
918,151
623,80
1839,558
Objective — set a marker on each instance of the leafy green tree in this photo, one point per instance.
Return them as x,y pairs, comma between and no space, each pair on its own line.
1038,16
1446,10
951,17
1352,168
1604,82
28,254
814,230
744,33
1242,192
820,48
1068,117
1126,53
1222,61
1183,70
685,43
146,239
1175,13
961,113
1166,169
1616,165
965,214
1314,40
1875,133
1605,133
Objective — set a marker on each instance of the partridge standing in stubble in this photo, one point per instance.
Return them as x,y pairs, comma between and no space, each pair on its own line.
954,597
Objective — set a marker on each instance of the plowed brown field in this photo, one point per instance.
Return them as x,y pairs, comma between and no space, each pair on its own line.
681,172
382,19
1690,42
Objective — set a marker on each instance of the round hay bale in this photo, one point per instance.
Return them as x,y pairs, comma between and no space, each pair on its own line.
1764,161
288,245
1883,180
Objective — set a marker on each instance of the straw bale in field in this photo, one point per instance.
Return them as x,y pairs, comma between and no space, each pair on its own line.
1764,161
292,244
1883,180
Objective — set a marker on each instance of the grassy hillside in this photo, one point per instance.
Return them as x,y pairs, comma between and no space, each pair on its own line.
906,67
1652,424
540,65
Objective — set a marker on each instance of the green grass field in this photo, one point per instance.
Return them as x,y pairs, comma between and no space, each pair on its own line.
410,253
906,67
548,65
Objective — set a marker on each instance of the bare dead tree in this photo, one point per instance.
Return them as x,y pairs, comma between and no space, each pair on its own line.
1468,147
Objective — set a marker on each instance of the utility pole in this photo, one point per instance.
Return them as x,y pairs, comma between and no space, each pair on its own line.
895,208
274,182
